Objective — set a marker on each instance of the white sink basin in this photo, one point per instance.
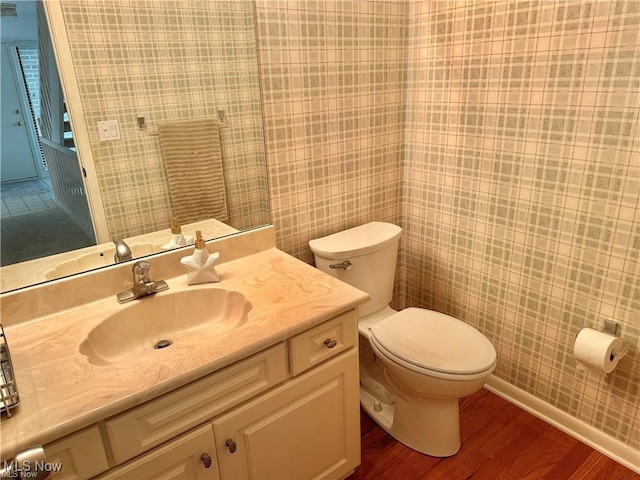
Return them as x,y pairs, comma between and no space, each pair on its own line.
136,329
102,258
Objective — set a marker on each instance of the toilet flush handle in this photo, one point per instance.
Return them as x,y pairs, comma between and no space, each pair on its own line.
346,265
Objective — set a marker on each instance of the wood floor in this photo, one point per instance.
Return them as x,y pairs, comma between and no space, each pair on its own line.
499,441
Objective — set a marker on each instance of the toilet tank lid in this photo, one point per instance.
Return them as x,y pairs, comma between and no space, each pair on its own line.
356,241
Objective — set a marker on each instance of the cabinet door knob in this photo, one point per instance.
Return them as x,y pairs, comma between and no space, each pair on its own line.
231,445
330,343
206,460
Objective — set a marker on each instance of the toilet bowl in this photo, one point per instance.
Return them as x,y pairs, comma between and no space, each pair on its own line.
432,360
414,364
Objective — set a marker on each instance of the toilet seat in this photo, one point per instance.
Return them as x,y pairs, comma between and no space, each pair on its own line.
435,344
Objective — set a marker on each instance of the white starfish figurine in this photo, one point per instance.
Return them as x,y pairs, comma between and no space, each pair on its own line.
201,267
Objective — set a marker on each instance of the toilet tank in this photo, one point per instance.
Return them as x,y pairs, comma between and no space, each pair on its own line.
372,250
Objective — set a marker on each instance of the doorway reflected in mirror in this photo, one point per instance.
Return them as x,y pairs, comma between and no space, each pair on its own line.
44,209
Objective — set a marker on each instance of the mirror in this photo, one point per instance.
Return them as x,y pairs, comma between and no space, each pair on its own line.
142,64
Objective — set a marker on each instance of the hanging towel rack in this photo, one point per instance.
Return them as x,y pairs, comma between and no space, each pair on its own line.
153,129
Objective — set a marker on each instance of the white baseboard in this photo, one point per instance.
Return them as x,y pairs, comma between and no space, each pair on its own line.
603,443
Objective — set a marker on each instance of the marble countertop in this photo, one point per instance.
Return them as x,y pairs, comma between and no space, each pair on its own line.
62,392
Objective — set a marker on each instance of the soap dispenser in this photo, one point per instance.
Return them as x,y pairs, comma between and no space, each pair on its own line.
177,238
201,265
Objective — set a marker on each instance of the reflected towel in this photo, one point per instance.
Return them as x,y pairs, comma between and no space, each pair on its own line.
192,154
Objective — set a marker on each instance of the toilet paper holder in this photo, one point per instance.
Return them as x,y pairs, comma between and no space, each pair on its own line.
613,328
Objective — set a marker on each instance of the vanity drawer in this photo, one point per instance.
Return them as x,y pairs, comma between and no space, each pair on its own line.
81,455
322,342
144,427
182,457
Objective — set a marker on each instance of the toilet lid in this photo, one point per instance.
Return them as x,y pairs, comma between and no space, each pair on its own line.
435,341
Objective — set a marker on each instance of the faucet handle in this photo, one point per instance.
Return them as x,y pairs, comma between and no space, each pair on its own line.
142,284
142,265
141,270
123,252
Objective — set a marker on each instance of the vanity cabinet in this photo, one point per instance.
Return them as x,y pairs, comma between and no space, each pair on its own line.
324,341
159,420
309,428
81,455
290,411
187,457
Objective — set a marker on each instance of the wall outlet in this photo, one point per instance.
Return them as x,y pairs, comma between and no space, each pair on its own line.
108,130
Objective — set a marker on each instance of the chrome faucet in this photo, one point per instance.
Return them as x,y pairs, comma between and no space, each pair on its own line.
123,252
142,284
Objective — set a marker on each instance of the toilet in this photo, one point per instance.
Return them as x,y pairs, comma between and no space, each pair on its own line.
414,364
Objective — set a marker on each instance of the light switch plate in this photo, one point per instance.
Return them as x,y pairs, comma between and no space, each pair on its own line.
108,130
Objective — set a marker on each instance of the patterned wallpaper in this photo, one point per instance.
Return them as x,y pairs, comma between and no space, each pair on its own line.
168,60
503,137
521,188
333,77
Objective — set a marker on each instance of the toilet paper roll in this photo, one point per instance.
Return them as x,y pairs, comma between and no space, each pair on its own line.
598,351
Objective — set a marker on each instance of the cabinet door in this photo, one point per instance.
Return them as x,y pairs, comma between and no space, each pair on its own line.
308,428
180,459
81,455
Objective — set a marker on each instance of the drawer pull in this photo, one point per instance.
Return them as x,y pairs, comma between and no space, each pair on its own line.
231,445
206,460
330,343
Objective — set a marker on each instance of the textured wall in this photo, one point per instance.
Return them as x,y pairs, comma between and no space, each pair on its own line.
521,188
168,60
516,136
333,76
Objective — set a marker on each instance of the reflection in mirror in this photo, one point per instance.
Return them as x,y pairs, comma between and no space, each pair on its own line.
166,62
44,209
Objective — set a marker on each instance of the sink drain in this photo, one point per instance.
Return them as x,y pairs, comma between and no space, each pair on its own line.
162,344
